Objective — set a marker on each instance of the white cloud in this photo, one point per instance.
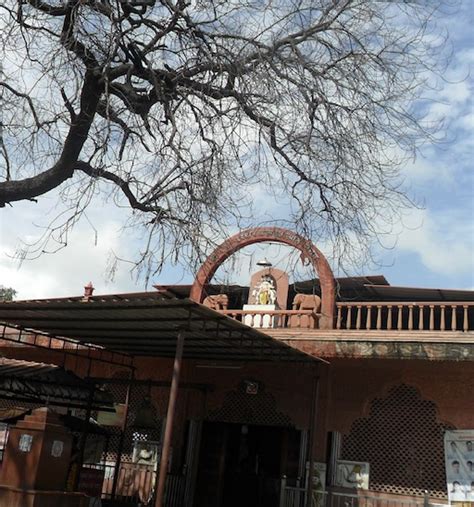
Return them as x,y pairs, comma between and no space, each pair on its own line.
65,272
441,240
444,241
467,121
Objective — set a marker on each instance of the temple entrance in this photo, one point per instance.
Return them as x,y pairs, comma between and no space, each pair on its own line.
241,465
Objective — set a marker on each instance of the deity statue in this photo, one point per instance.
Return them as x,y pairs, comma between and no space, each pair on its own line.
265,292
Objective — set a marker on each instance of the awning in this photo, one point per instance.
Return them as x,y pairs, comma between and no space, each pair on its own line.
48,384
147,324
13,414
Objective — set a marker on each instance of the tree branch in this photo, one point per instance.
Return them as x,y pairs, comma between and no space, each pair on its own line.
28,188
125,187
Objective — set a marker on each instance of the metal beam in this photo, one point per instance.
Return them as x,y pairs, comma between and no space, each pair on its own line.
150,382
80,305
82,320
68,346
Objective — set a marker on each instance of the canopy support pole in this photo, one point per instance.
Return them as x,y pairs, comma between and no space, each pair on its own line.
160,492
312,439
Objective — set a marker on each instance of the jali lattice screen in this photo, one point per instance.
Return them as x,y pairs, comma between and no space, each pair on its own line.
403,442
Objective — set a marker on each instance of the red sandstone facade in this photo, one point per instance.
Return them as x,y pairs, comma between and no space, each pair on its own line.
394,375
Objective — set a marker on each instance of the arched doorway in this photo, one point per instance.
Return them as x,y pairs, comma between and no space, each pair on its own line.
247,444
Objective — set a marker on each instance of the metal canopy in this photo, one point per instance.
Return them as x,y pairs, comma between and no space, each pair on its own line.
49,384
147,324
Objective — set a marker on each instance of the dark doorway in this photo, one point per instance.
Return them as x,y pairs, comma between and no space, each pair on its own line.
241,465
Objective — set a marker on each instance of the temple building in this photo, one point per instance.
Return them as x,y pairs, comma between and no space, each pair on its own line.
330,392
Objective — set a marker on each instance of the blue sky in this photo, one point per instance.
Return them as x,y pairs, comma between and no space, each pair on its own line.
437,248
433,248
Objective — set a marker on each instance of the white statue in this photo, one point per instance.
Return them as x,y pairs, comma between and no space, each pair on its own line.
264,292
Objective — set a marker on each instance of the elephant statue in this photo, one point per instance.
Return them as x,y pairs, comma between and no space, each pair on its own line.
217,302
306,302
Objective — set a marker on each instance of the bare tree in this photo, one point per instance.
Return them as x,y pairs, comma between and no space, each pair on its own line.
176,107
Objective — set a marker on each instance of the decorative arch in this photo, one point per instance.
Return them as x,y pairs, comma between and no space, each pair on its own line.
278,235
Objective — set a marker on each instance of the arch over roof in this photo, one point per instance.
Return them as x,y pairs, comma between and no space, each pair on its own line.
278,235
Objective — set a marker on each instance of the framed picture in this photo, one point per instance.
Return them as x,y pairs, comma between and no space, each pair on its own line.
251,387
459,465
352,474
318,484
146,453
318,477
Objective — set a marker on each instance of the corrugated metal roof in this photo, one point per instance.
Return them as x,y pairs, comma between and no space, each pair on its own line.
418,294
147,324
353,288
348,288
18,368
11,415
48,383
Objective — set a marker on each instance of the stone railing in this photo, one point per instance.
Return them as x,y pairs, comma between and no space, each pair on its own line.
370,316
405,316
306,319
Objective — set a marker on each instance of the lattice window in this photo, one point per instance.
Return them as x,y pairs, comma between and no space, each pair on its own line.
403,442
242,408
119,393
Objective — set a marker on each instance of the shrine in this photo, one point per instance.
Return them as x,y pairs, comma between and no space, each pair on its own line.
326,392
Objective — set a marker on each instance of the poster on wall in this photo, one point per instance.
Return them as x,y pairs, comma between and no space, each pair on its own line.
146,453
459,461
352,474
116,418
